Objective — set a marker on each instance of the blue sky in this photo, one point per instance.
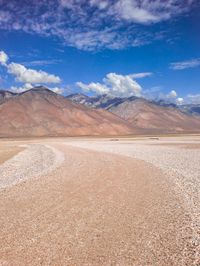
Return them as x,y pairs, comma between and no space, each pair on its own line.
99,47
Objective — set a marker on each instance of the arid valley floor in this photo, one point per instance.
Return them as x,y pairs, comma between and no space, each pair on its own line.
90,201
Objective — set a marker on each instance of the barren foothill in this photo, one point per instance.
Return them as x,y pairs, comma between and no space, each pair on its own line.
101,202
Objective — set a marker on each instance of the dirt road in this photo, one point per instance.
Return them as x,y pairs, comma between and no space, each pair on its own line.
92,208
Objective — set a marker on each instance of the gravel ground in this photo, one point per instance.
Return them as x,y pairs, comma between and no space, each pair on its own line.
181,166
95,208
8,151
35,160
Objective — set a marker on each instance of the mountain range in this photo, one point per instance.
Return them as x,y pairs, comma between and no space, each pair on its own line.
105,101
146,116
41,112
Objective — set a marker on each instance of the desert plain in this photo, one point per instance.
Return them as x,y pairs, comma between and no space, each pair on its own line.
100,201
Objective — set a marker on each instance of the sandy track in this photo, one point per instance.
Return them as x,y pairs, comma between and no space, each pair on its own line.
178,160
96,209
182,165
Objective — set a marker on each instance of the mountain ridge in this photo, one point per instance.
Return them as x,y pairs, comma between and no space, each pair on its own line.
41,112
148,116
96,102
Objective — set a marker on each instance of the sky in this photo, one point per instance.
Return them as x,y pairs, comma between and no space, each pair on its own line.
145,48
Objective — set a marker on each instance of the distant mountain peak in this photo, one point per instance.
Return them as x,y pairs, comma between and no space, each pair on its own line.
104,101
77,94
39,89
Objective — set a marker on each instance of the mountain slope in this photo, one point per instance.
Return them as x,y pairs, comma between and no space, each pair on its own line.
100,101
6,95
149,117
191,109
41,112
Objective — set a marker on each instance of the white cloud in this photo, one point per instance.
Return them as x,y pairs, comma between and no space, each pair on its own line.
4,16
179,101
141,75
171,97
114,85
123,85
94,87
67,3
100,4
27,75
156,94
81,23
172,94
147,11
185,64
3,58
41,62
130,10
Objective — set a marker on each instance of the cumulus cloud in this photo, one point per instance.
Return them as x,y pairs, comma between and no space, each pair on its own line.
172,94
156,93
185,64
114,85
179,101
3,58
94,87
27,75
91,24
172,97
123,85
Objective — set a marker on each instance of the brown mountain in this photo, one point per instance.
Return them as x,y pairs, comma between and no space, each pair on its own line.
148,117
41,112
